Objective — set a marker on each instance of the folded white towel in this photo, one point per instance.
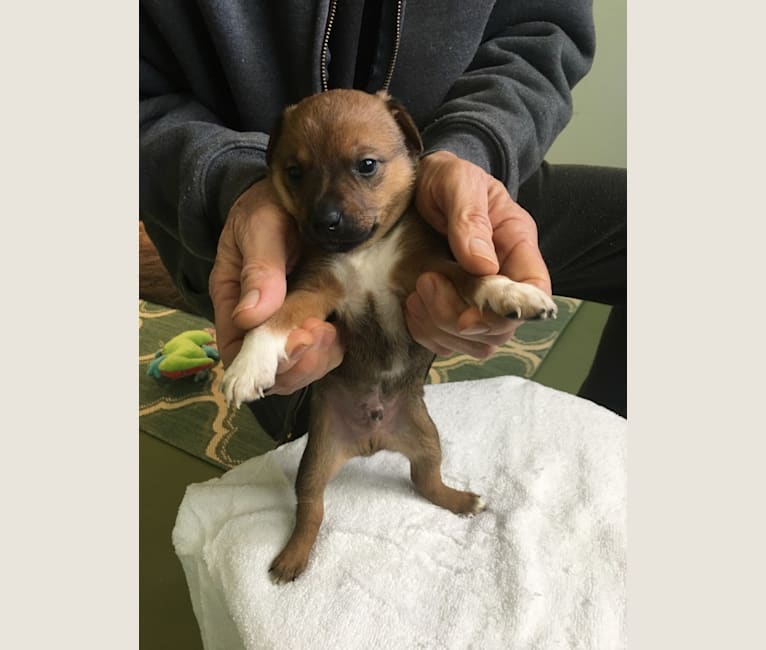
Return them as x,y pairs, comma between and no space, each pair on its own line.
543,567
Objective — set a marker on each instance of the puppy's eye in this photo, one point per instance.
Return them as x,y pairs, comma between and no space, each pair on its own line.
294,173
367,167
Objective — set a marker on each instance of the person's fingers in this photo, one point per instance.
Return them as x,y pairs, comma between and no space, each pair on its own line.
441,343
452,195
432,314
308,362
440,320
441,301
420,327
460,345
472,327
298,342
225,293
486,326
266,240
525,263
329,344
516,242
469,231
311,334
450,312
247,284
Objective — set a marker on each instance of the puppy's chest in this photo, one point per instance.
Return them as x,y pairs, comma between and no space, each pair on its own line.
370,294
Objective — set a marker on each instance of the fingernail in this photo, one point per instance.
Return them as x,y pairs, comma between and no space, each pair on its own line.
481,248
475,330
248,301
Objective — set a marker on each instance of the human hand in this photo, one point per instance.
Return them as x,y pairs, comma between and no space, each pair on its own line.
488,233
258,247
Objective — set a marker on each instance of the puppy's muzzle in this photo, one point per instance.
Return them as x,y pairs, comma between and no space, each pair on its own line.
334,231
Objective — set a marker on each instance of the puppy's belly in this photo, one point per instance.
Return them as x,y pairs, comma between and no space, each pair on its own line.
366,418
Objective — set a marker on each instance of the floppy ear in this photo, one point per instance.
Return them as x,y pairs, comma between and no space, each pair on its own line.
406,124
276,131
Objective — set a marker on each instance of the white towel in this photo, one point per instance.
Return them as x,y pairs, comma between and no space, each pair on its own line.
543,567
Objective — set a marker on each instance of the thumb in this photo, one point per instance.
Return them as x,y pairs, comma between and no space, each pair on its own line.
266,244
263,289
453,197
469,232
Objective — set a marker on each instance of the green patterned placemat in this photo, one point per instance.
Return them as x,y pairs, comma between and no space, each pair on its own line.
187,413
192,414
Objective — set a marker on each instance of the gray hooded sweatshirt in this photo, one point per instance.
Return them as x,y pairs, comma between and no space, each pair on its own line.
489,81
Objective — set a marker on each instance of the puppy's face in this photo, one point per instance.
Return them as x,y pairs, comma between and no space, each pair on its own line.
343,163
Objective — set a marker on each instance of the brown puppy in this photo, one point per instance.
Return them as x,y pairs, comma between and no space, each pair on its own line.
344,163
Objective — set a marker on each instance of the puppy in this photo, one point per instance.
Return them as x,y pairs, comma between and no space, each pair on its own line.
343,164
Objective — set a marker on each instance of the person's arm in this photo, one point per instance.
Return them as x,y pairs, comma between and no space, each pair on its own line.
514,99
493,130
192,169
205,203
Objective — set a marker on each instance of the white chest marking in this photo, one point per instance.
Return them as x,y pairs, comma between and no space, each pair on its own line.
367,273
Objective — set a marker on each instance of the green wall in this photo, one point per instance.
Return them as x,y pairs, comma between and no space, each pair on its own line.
597,133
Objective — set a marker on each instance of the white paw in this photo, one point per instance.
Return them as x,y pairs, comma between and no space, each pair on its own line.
254,370
516,300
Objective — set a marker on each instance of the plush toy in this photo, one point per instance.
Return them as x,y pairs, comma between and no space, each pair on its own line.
191,353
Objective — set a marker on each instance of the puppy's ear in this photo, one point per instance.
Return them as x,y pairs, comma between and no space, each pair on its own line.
406,124
276,131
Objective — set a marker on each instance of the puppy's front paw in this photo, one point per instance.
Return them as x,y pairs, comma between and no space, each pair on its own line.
516,300
254,370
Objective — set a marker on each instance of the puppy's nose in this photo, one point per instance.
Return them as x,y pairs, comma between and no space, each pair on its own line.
326,219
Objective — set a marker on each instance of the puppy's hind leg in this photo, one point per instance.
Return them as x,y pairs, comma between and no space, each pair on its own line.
321,461
419,442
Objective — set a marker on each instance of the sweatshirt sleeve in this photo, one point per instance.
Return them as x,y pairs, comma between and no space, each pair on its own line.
192,169
509,106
